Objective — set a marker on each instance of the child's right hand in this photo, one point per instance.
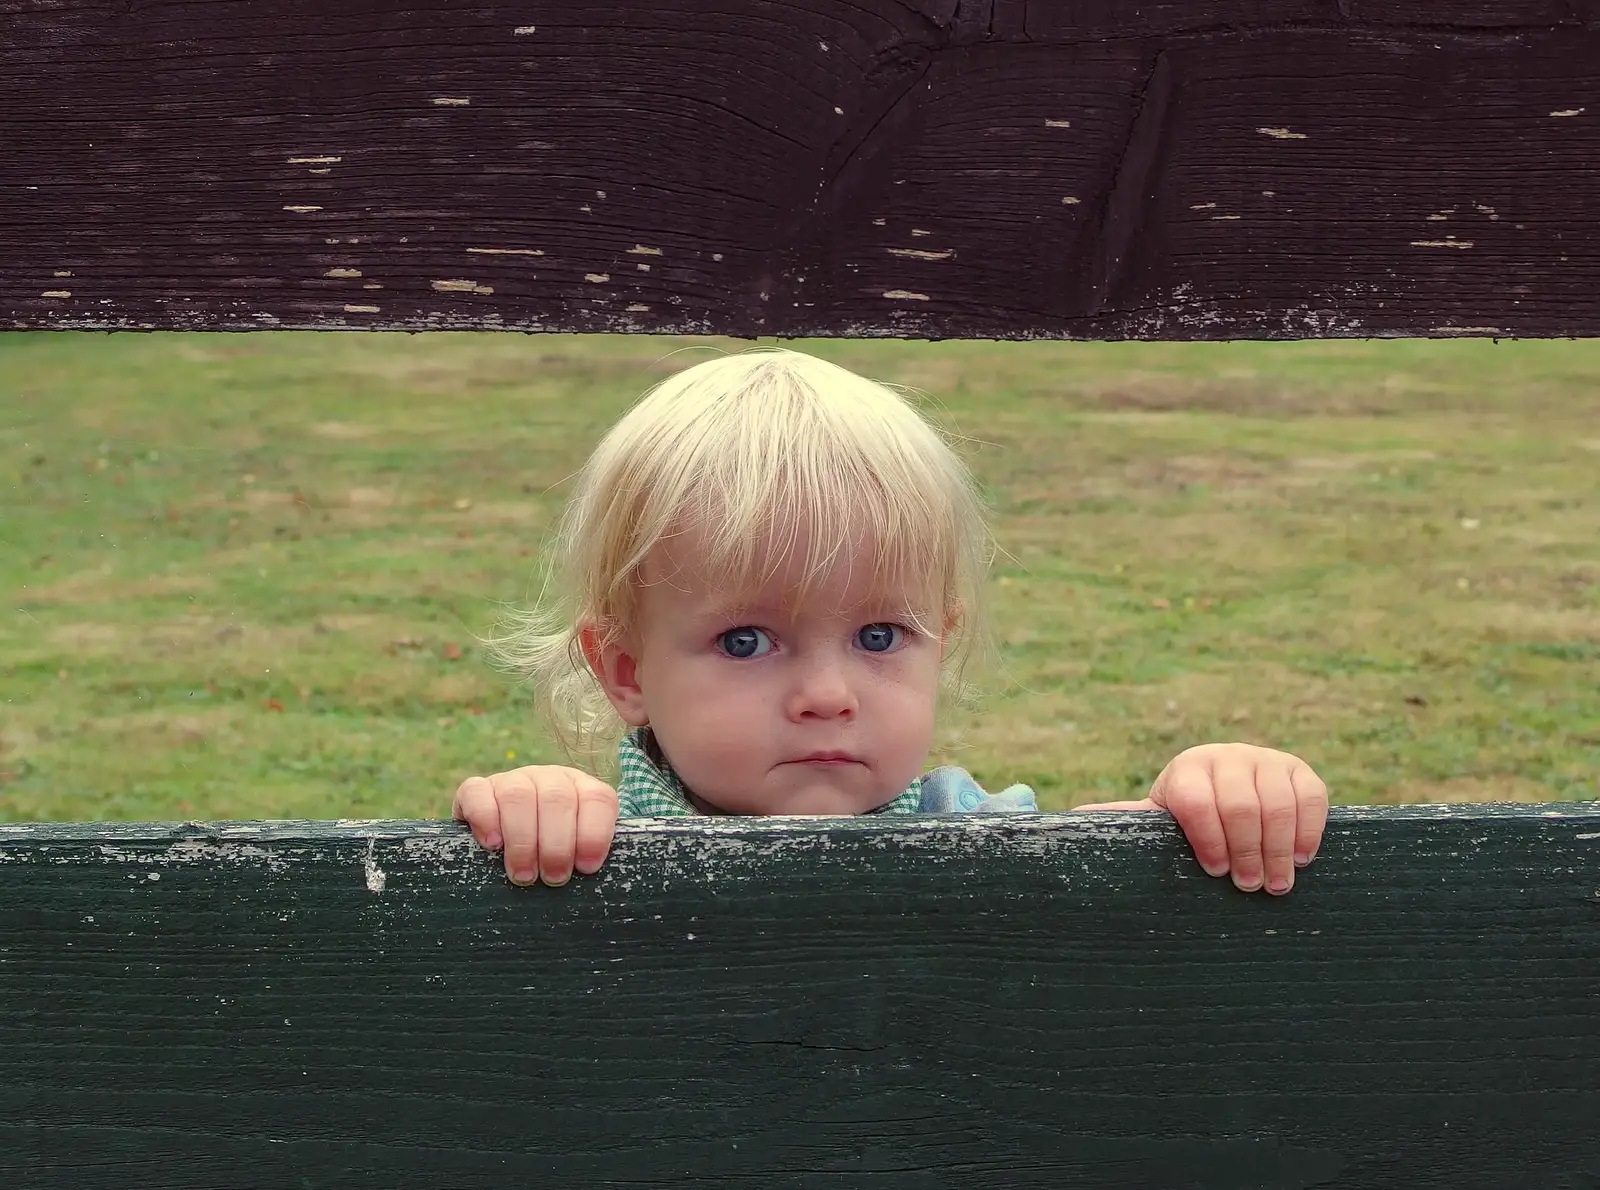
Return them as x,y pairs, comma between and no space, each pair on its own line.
549,819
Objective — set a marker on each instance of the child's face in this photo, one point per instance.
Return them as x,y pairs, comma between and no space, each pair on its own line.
738,696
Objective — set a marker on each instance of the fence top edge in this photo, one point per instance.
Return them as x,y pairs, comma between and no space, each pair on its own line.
1100,823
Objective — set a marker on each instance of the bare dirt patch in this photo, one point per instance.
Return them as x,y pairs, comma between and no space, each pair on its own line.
87,637
342,431
1465,790
372,497
98,586
1253,397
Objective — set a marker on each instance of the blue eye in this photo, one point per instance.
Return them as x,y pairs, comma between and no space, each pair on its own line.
879,638
742,642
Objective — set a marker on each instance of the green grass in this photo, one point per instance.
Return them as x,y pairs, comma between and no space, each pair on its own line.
239,568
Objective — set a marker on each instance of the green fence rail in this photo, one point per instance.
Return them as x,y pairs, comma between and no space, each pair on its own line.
1032,1000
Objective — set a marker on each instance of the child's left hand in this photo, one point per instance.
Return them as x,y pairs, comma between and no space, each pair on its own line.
1252,812
1246,809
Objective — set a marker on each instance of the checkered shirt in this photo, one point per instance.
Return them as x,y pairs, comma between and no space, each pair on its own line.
647,790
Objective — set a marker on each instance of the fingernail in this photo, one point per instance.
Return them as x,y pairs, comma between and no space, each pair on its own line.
493,841
1278,884
1301,859
1250,884
522,876
1215,869
557,883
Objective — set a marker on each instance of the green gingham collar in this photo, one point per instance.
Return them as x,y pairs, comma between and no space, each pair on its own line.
649,788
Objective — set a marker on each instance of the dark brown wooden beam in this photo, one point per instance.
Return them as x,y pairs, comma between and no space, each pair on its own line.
983,168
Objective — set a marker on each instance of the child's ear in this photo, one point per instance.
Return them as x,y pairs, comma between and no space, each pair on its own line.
951,619
617,671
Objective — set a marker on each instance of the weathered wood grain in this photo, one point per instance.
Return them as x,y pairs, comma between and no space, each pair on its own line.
1053,1000
934,168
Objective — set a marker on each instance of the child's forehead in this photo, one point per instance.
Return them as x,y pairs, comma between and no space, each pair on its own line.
772,580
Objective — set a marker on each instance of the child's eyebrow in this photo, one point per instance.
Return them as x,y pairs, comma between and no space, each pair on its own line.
740,609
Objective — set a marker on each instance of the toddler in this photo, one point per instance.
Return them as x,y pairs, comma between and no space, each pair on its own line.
768,570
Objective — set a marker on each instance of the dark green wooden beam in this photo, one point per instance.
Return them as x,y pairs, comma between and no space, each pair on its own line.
1055,1000
1154,169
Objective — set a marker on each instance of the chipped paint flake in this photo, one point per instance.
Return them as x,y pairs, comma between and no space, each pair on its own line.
1570,111
1282,134
455,285
524,30
301,208
360,309
638,308
320,171
56,293
1467,330
597,278
315,160
1215,217
1202,206
716,256
450,101
642,250
1070,200
508,251
1450,243
62,273
342,273
643,268
880,223
920,254
920,231
1058,123
905,295
372,285
376,879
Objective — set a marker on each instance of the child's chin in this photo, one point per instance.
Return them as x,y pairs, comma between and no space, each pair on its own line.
831,800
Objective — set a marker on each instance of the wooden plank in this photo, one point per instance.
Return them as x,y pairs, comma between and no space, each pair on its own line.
1169,169
1021,1001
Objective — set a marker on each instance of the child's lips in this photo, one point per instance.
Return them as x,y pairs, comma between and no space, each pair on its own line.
826,758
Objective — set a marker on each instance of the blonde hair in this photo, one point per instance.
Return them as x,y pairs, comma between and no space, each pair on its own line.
748,448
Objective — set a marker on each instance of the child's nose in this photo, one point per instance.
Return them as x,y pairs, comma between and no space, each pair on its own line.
824,692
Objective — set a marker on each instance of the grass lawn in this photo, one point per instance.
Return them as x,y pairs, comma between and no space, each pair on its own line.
242,573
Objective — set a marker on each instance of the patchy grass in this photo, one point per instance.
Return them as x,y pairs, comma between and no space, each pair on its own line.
243,571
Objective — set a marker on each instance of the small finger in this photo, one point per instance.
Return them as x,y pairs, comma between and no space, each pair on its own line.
474,805
1275,793
1312,798
1239,807
558,829
519,822
1189,798
597,823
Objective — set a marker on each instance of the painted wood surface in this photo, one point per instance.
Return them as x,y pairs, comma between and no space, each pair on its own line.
1016,1001
1168,169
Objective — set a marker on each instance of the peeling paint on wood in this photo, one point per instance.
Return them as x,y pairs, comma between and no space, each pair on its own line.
1055,150
978,1000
